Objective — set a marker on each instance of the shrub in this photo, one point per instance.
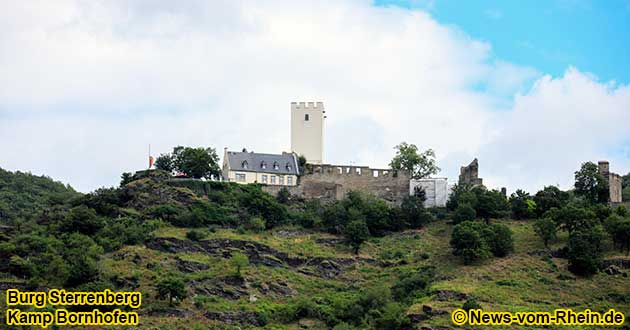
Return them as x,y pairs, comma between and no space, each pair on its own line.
410,283
239,261
471,303
522,205
467,242
356,232
464,212
500,240
548,198
256,224
195,235
413,212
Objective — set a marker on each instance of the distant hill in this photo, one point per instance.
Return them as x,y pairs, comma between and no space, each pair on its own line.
24,195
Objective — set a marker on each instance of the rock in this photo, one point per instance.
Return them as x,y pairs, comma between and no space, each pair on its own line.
613,270
172,312
328,269
252,298
330,241
284,233
250,318
620,262
190,266
447,295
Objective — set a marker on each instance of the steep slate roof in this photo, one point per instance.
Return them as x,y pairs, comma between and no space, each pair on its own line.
254,160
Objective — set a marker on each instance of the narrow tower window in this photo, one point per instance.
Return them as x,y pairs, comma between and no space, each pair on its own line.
306,117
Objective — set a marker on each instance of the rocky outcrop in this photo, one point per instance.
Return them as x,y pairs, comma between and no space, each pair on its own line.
258,254
448,295
250,318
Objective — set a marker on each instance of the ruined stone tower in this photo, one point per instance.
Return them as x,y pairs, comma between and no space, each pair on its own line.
307,130
614,181
470,174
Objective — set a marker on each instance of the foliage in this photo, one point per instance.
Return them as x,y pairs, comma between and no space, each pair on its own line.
171,288
584,249
413,283
418,164
284,196
546,229
195,235
522,205
571,217
548,198
477,241
239,261
193,162
413,212
467,242
464,212
590,184
619,230
470,303
356,231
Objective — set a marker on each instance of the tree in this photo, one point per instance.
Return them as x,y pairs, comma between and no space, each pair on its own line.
490,203
165,162
522,205
239,261
571,217
82,219
546,229
409,159
464,212
548,198
591,185
584,250
467,242
413,211
171,288
197,162
461,194
619,230
356,231
125,178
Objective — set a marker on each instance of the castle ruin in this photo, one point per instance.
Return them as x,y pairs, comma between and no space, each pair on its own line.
470,174
614,181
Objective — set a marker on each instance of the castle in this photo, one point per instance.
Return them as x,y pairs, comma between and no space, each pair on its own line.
318,180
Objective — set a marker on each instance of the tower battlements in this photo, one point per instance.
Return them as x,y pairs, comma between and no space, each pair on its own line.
307,106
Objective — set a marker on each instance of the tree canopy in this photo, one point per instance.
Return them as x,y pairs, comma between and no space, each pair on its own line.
409,158
193,162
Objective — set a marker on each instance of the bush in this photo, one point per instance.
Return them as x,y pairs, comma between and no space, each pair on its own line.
464,212
471,303
619,230
467,242
548,198
256,224
239,261
195,235
499,240
413,282
356,232
413,212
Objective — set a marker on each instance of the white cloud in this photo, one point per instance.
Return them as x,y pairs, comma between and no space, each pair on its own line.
86,86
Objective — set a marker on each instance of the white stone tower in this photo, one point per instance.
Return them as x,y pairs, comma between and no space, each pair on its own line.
307,130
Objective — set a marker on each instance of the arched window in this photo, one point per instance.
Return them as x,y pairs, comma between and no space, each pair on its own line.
244,164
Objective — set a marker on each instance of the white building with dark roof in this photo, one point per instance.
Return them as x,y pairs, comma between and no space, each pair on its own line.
270,169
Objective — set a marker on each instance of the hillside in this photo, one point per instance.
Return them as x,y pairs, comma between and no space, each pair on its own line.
295,277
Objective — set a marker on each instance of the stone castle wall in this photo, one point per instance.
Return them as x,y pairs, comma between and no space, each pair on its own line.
333,182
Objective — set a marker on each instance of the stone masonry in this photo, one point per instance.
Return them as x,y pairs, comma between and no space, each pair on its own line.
470,174
332,182
614,181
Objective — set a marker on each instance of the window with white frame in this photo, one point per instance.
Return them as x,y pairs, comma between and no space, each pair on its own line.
273,179
240,177
290,180
264,178
281,178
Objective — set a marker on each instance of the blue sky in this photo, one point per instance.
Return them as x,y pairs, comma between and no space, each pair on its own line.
547,35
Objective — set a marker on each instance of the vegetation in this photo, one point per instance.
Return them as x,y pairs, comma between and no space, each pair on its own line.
591,185
358,263
193,162
409,159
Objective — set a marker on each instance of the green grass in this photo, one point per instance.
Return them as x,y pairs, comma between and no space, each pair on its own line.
522,281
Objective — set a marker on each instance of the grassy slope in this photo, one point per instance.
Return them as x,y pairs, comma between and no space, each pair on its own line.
520,282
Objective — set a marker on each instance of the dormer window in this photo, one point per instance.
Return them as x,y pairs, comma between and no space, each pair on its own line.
263,165
244,164
276,166
288,167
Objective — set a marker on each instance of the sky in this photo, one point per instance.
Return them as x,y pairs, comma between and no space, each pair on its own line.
530,88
